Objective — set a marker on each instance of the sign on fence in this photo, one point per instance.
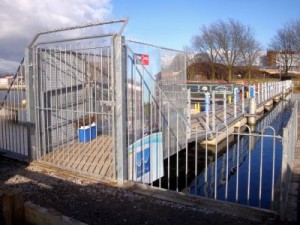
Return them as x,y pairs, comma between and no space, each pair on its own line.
141,59
145,159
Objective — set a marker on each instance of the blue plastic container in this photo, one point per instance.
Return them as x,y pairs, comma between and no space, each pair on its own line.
252,92
87,133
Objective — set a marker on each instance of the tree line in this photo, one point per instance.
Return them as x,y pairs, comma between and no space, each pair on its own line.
231,44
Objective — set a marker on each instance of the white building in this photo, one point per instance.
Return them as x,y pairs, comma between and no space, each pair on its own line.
6,81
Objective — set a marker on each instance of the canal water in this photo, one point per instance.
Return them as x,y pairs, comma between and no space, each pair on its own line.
191,179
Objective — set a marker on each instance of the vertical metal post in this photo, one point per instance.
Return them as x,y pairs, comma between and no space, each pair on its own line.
119,61
216,169
258,94
143,123
207,107
249,168
243,99
188,112
168,142
213,111
235,100
177,153
30,103
29,83
284,168
36,100
225,106
196,159
252,106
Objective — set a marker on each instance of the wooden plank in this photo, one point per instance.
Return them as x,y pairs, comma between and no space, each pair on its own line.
42,216
94,145
74,149
96,151
84,157
13,207
69,152
54,156
76,152
94,163
106,168
104,158
106,145
89,152
81,154
101,160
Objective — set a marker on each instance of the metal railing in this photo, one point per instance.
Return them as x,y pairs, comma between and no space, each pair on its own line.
15,131
75,86
243,165
235,169
69,97
219,107
156,104
74,96
289,146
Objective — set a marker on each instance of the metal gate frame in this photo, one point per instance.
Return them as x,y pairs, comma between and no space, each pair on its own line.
51,103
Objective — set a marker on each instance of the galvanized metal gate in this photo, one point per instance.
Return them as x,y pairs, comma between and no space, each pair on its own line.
157,109
74,98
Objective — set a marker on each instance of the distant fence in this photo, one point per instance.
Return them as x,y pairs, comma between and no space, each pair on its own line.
16,133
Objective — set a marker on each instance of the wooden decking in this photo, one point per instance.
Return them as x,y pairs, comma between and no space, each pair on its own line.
198,121
94,157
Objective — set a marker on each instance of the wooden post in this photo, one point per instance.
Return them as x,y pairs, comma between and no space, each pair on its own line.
13,207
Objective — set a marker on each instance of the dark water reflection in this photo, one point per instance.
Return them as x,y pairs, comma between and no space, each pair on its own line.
187,178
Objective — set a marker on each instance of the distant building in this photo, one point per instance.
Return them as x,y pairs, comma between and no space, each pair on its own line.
273,60
6,81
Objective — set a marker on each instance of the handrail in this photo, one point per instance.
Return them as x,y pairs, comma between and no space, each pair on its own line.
125,21
11,84
158,87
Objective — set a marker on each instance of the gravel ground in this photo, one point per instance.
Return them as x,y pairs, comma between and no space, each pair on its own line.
95,203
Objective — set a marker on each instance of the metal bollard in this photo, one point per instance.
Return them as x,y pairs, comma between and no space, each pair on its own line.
225,107
252,107
229,99
207,107
235,100
213,111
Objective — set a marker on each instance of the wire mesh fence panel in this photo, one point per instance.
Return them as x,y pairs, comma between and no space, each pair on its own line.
157,115
14,129
74,93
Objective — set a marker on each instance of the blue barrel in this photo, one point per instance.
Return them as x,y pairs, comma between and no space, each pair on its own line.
207,101
236,95
252,91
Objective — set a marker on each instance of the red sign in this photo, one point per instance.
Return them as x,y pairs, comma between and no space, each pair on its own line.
142,59
145,59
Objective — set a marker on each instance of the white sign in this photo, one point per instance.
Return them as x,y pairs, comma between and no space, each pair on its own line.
145,159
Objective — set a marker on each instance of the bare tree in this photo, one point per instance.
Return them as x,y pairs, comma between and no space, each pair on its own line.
205,43
230,36
227,42
294,27
250,51
286,45
190,56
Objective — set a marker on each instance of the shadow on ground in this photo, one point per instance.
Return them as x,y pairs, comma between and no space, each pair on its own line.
97,203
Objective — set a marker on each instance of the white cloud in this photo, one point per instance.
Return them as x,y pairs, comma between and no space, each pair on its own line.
20,20
8,66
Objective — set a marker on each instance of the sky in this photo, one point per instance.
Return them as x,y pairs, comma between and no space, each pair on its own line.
168,23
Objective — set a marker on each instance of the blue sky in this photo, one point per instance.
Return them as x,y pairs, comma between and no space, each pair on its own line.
173,23
170,23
